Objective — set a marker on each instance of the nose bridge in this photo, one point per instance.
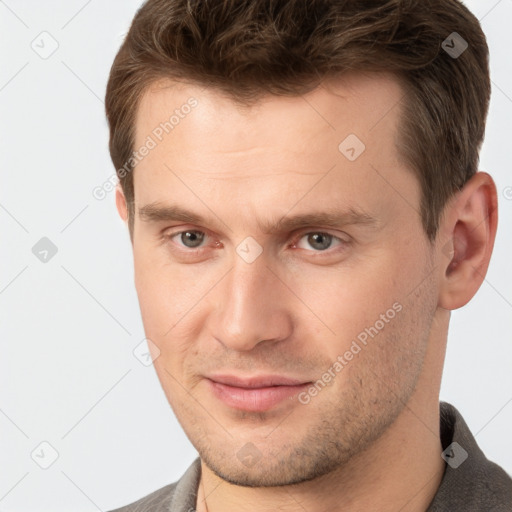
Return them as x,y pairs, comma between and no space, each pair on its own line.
250,309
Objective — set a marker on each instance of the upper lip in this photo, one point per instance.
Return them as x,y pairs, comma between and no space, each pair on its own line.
260,381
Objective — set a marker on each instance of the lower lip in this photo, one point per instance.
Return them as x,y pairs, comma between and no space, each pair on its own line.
254,399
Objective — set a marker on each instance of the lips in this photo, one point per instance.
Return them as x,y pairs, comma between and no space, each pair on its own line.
256,382
254,394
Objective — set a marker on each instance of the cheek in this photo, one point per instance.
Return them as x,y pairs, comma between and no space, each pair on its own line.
172,299
161,288
347,300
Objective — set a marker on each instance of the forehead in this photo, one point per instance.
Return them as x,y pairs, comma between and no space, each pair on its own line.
214,133
354,102
274,152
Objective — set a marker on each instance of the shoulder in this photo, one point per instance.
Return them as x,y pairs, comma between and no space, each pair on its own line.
159,500
178,496
470,481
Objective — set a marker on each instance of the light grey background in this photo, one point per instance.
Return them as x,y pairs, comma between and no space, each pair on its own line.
69,326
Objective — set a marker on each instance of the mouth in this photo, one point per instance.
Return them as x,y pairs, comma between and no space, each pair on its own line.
255,394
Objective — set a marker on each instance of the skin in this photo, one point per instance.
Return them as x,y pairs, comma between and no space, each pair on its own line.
370,439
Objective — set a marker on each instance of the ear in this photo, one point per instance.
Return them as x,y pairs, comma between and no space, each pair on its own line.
121,204
466,239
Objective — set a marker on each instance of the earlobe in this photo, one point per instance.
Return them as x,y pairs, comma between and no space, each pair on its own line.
121,204
467,232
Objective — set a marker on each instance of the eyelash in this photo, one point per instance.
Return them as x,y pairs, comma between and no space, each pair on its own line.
296,240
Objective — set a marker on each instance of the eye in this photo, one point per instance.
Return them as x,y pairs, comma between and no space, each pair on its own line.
318,240
191,239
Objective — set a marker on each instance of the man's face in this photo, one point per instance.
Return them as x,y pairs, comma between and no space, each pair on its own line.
247,294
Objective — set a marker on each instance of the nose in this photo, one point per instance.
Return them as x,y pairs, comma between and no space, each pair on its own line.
252,306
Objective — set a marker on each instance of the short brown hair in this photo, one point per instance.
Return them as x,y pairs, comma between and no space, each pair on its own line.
250,48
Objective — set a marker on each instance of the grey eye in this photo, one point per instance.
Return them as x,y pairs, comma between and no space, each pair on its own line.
320,241
191,239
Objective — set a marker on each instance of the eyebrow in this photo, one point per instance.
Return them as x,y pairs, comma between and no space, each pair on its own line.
158,212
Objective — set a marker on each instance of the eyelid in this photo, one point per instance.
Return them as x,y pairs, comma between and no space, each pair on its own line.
325,231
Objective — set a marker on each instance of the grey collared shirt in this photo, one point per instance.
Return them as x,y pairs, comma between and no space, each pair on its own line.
471,483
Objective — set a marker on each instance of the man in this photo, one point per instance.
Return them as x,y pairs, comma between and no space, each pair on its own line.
299,180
